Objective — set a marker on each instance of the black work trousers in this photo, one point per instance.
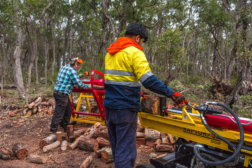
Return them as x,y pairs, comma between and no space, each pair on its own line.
62,112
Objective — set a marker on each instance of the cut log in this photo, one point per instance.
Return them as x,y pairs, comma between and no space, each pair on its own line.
35,103
63,145
70,130
19,151
102,142
106,155
28,114
165,140
158,142
59,136
75,143
37,159
171,139
151,135
34,110
88,144
164,148
150,104
79,132
70,133
48,140
150,143
51,146
5,154
15,112
87,162
139,134
140,141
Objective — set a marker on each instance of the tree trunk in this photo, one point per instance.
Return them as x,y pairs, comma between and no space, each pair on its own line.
46,58
18,76
53,50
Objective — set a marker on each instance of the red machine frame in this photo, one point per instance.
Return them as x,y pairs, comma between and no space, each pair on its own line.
90,117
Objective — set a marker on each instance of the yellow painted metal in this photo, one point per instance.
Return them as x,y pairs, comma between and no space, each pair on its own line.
86,119
86,96
191,128
246,160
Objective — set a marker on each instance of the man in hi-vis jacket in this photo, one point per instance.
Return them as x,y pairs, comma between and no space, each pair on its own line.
125,66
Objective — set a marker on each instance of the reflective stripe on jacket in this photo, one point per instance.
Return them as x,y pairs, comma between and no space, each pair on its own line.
125,66
123,71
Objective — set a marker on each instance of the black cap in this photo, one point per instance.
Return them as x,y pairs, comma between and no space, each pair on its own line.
137,29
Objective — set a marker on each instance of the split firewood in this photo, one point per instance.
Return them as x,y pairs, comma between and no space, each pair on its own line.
37,159
51,146
50,110
63,145
34,110
59,136
151,104
75,143
87,161
164,148
165,140
5,154
88,144
70,133
28,114
35,103
151,134
48,140
101,133
15,112
140,141
19,151
91,131
79,132
157,142
106,155
150,143
171,139
139,134
102,142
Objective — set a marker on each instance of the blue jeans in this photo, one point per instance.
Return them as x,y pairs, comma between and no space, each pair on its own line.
122,125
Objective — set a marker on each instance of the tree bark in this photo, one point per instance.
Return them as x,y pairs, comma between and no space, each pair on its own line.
18,76
46,58
19,151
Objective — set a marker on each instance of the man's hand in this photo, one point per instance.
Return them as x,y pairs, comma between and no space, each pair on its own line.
178,98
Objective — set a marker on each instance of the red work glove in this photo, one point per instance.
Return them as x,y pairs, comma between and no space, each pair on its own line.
178,98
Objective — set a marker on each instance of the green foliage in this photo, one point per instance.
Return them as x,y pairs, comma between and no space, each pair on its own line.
212,13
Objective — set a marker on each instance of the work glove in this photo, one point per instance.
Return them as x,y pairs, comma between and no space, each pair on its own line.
178,98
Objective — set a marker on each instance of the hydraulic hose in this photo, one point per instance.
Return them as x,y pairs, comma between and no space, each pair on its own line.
236,149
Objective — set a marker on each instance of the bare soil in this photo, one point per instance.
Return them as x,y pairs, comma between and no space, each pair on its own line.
30,130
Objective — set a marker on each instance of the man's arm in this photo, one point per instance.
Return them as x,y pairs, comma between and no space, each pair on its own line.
151,82
76,81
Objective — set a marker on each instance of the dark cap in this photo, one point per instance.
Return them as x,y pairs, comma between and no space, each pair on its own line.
137,29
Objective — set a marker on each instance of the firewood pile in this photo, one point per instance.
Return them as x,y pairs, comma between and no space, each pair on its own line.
161,142
39,105
95,140
17,151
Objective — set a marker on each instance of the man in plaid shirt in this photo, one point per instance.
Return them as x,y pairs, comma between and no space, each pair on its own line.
66,80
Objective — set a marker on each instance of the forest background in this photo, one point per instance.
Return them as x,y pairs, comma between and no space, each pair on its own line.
200,47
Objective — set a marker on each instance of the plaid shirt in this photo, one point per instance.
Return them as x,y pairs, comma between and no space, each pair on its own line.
67,78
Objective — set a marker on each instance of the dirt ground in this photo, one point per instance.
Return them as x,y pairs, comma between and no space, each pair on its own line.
30,130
